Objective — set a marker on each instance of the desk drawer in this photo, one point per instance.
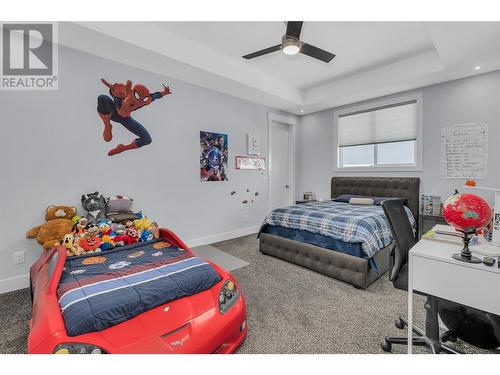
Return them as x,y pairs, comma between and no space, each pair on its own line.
459,283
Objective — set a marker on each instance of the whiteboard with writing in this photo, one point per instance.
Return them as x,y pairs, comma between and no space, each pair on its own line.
464,150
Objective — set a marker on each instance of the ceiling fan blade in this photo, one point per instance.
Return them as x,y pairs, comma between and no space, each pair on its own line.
293,28
317,53
264,51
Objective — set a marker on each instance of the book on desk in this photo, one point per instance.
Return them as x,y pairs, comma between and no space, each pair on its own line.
448,234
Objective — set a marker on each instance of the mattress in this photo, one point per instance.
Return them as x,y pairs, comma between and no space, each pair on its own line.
98,291
353,224
353,249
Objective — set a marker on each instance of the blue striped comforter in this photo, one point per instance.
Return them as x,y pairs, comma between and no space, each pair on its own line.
342,221
100,290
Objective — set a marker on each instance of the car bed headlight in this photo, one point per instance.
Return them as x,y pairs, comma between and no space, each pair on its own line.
75,348
228,296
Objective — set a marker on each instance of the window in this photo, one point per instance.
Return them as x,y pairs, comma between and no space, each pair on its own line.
380,136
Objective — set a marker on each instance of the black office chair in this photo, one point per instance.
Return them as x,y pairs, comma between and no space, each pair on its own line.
404,240
471,325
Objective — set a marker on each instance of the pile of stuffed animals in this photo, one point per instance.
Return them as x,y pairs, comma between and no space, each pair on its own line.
108,223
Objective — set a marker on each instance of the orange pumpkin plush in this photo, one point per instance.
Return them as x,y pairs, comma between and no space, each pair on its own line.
58,224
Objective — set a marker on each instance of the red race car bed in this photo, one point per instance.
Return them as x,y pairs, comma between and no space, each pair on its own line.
151,297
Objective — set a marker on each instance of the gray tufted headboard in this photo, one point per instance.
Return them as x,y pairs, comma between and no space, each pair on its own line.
401,187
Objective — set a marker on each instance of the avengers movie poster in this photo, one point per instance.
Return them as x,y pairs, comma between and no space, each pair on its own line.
213,156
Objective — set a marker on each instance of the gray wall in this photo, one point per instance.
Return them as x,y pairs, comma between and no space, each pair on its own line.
466,100
52,151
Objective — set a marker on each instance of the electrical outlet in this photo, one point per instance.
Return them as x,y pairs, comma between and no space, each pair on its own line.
19,257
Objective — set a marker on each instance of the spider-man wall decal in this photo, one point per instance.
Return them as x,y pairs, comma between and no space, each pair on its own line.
118,107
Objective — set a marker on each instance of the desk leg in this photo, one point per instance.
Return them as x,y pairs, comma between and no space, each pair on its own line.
410,302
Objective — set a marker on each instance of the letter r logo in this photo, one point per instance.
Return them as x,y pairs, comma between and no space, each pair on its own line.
27,49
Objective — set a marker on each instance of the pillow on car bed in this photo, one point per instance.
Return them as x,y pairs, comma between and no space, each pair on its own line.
345,198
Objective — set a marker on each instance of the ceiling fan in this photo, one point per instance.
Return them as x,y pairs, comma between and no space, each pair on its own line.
291,45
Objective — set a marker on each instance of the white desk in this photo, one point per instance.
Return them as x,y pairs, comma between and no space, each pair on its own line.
433,271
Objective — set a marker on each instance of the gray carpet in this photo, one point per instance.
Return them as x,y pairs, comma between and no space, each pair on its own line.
290,309
15,312
294,310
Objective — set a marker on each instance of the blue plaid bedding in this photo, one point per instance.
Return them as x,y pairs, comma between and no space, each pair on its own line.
342,221
100,290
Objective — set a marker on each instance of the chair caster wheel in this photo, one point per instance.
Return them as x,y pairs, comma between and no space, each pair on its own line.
452,339
386,346
449,337
399,323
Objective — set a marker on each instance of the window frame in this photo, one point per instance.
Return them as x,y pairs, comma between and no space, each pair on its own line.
384,167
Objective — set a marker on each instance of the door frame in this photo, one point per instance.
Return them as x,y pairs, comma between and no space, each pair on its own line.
291,122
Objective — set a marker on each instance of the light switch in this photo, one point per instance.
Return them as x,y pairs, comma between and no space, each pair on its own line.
19,257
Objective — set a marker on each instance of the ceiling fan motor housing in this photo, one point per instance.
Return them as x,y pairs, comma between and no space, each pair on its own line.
290,45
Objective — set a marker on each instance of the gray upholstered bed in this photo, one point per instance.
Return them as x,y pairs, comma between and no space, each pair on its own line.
348,268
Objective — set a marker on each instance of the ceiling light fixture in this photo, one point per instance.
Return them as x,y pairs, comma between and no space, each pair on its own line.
477,67
290,46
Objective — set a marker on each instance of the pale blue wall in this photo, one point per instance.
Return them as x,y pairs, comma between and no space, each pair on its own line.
52,152
466,100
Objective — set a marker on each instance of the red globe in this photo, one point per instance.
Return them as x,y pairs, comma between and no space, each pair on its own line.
467,212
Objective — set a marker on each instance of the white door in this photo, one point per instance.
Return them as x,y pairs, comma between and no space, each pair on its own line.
280,165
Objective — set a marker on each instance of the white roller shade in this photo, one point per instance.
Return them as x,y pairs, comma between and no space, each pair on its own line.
392,123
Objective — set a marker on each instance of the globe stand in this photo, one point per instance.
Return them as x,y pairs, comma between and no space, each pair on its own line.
466,255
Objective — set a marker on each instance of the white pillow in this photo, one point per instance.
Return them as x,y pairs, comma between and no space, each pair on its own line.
361,201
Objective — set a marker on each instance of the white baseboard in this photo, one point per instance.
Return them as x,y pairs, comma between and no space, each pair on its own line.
222,236
22,281
14,283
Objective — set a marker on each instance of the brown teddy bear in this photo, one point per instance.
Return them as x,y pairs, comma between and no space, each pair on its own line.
58,224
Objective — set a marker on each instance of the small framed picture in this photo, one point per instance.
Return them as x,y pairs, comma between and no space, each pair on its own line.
250,162
253,144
